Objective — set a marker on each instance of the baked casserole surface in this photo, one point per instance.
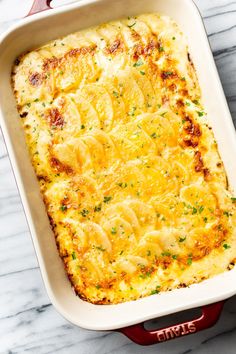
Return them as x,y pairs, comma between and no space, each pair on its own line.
128,166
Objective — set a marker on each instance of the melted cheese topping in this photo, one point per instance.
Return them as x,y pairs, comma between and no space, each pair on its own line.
129,170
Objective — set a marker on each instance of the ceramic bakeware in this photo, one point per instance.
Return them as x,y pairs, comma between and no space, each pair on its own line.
33,31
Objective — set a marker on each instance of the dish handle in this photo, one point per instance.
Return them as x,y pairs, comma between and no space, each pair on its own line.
39,6
138,334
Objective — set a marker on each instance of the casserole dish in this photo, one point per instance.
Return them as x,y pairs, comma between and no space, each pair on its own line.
47,26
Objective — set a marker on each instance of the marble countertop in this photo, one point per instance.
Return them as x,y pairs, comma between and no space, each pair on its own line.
28,321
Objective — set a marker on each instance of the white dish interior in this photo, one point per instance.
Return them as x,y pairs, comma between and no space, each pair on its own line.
38,30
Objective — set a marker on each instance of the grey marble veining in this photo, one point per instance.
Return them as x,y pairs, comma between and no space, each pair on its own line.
28,322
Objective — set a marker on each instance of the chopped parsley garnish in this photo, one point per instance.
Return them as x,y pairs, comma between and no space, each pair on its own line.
166,254
121,252
173,38
163,114
175,256
98,286
154,135
161,49
116,94
84,213
138,63
226,213
82,126
74,255
156,291
200,209
98,208
194,211
190,261
123,185
100,248
200,114
226,246
148,253
63,207
131,113
233,200
107,199
146,275
130,26
182,239
168,73
113,230
142,72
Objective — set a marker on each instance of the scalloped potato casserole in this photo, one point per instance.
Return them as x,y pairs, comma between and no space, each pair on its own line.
128,167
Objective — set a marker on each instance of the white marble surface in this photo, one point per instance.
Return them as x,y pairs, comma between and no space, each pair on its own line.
28,322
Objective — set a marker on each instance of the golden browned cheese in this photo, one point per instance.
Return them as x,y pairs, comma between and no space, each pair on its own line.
133,184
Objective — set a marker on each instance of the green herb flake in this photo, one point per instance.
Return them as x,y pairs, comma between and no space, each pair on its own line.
74,255
166,254
142,72
130,26
116,94
163,114
189,261
155,291
63,207
173,38
107,199
148,253
200,209
98,286
233,199
113,230
182,239
82,126
98,208
200,114
138,63
194,211
123,185
228,214
161,49
154,135
226,246
100,248
84,213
